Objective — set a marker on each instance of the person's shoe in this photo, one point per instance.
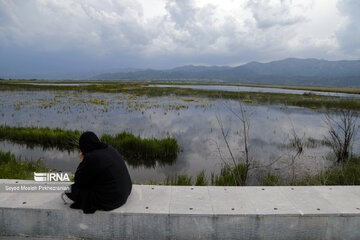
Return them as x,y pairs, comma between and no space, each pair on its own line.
65,198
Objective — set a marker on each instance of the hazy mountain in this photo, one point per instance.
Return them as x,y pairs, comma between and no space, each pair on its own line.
306,67
192,68
291,71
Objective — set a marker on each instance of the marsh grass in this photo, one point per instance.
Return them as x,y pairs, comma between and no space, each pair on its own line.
186,180
144,152
307,143
44,137
179,180
12,167
228,176
137,151
271,179
201,179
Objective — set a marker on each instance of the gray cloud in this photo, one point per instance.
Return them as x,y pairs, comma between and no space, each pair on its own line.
69,35
349,35
274,13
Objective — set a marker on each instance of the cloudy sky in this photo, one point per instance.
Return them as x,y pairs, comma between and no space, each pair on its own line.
42,36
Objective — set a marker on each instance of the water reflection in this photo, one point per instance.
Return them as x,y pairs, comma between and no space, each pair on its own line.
66,161
194,126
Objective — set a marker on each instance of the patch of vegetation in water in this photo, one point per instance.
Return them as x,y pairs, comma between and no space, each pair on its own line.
311,101
308,143
137,151
143,152
12,167
80,102
44,137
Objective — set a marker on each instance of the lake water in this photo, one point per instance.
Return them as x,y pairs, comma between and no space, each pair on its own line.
259,89
193,124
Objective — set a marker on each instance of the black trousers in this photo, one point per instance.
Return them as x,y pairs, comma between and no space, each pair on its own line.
83,199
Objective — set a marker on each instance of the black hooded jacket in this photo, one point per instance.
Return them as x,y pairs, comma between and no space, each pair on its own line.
102,180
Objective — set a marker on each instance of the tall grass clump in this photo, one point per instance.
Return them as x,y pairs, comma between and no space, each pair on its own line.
143,151
179,180
44,137
12,167
230,176
201,179
271,179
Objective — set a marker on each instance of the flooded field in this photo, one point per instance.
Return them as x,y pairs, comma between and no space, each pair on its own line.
193,122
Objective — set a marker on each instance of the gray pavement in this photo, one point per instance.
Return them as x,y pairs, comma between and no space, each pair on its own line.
190,212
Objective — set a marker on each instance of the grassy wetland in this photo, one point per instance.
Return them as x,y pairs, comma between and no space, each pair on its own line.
172,134
138,89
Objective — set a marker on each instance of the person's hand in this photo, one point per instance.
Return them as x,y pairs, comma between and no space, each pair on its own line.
81,156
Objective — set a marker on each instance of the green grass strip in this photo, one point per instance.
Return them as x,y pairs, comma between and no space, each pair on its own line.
44,137
136,150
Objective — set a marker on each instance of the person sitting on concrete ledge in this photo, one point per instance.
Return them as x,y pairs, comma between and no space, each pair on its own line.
102,180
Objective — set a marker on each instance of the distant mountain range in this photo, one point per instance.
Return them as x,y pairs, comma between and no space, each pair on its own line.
290,71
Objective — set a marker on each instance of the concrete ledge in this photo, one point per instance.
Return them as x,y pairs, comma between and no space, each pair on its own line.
174,212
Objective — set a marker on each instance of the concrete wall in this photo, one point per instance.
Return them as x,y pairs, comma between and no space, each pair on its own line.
173,212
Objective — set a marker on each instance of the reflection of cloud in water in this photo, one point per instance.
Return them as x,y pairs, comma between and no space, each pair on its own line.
195,128
55,159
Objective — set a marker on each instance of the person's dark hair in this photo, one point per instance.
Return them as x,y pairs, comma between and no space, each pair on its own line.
89,141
